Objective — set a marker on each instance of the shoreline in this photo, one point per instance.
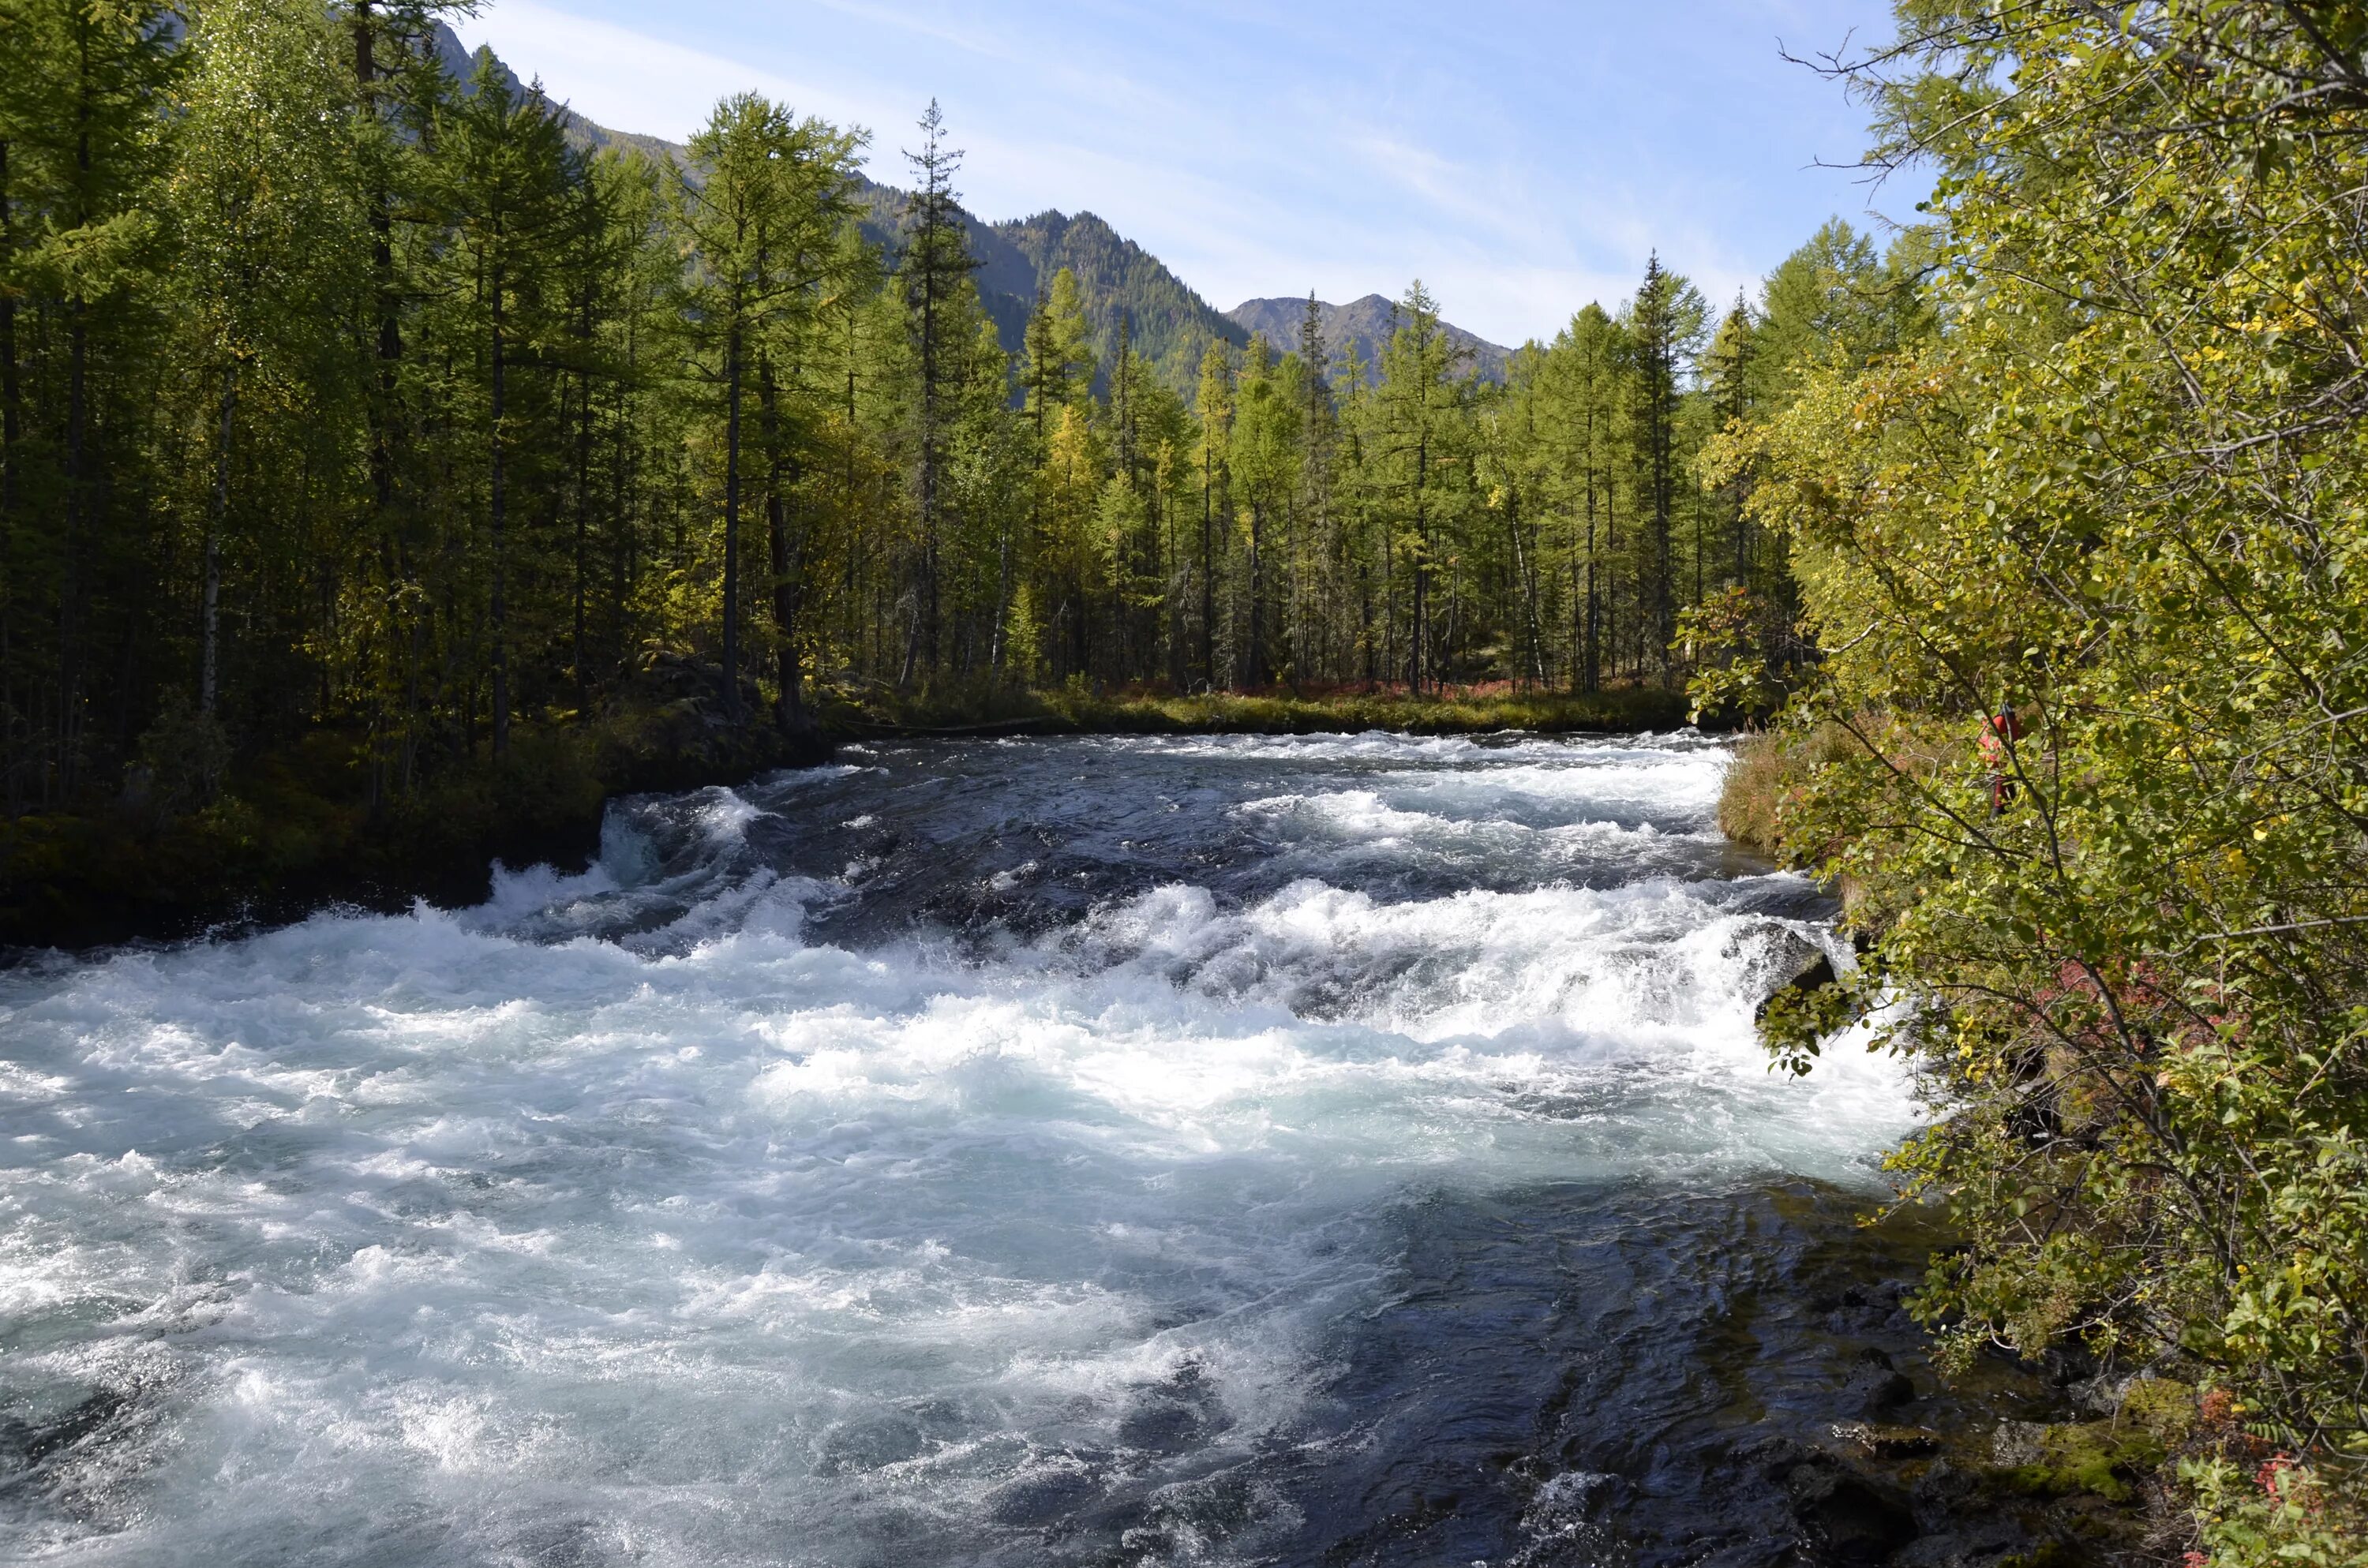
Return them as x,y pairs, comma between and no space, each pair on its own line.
1869,1450
294,832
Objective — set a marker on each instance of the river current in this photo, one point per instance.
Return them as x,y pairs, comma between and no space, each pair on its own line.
1322,1150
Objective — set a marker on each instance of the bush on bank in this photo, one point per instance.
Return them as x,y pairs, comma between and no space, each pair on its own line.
2088,744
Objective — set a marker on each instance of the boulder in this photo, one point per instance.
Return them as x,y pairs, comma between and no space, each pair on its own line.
1856,1522
1874,1385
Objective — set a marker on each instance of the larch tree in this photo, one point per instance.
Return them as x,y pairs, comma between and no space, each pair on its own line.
268,230
935,270
1665,322
508,171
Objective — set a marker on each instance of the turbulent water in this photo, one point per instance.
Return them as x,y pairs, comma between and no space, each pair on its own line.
1327,1149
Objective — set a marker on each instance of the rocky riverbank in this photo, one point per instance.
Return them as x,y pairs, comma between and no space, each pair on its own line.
289,831
1881,1459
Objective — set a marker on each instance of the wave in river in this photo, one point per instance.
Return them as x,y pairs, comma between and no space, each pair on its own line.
961,1155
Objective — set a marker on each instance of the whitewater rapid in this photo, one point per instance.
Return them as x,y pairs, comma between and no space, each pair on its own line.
1006,1151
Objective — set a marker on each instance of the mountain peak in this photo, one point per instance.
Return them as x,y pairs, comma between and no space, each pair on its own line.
1366,323
1167,322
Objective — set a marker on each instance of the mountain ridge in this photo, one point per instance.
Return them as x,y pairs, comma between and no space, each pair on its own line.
1365,324
1167,321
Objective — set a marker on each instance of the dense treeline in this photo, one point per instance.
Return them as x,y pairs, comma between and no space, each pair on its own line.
342,401
2085,735
342,396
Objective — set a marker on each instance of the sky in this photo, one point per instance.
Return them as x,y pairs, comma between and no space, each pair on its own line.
1521,158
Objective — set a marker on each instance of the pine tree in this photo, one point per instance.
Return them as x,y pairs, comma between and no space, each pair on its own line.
762,224
1727,377
1420,402
510,170
1315,560
1592,354
85,143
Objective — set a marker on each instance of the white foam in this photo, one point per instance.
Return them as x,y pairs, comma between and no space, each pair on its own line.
476,1225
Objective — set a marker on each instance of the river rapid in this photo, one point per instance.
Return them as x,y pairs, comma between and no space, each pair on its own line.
1321,1149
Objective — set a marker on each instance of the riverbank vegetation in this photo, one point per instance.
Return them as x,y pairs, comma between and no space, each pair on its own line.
345,396
384,476
360,418
2084,734
1449,711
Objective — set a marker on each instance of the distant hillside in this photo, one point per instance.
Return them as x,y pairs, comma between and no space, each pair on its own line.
460,63
1169,323
1367,323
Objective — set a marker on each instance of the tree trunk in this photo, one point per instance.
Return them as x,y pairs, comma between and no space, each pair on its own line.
499,608
1422,608
583,512
210,657
731,524
70,585
1208,579
788,709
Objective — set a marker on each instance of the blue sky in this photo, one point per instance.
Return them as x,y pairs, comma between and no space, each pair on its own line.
1520,158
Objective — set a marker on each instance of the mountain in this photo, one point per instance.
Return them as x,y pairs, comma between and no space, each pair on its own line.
1367,323
1169,323
460,62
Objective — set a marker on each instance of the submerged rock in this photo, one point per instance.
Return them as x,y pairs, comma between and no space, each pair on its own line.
1874,1385
1807,968
1879,1440
1855,1520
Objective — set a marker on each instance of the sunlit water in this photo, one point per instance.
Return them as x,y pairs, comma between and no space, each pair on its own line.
1093,1150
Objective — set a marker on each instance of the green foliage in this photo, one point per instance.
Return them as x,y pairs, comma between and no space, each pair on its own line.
2280,1514
184,756
350,395
1075,710
2080,550
1737,651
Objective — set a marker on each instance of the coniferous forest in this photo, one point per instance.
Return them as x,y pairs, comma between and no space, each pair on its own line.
380,455
346,396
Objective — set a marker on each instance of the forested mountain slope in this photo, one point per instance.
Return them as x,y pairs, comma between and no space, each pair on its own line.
458,59
1167,319
1167,322
1366,326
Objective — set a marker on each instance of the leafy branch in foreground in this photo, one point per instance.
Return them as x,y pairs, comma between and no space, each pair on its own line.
2114,518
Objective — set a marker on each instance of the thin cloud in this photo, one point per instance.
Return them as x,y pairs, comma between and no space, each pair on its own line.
1520,170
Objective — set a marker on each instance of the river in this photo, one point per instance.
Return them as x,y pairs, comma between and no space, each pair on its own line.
1319,1150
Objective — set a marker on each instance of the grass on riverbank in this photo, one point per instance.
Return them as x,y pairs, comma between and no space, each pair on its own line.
1457,711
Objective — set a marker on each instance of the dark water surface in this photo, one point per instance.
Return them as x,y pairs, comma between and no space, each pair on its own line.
1331,1150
